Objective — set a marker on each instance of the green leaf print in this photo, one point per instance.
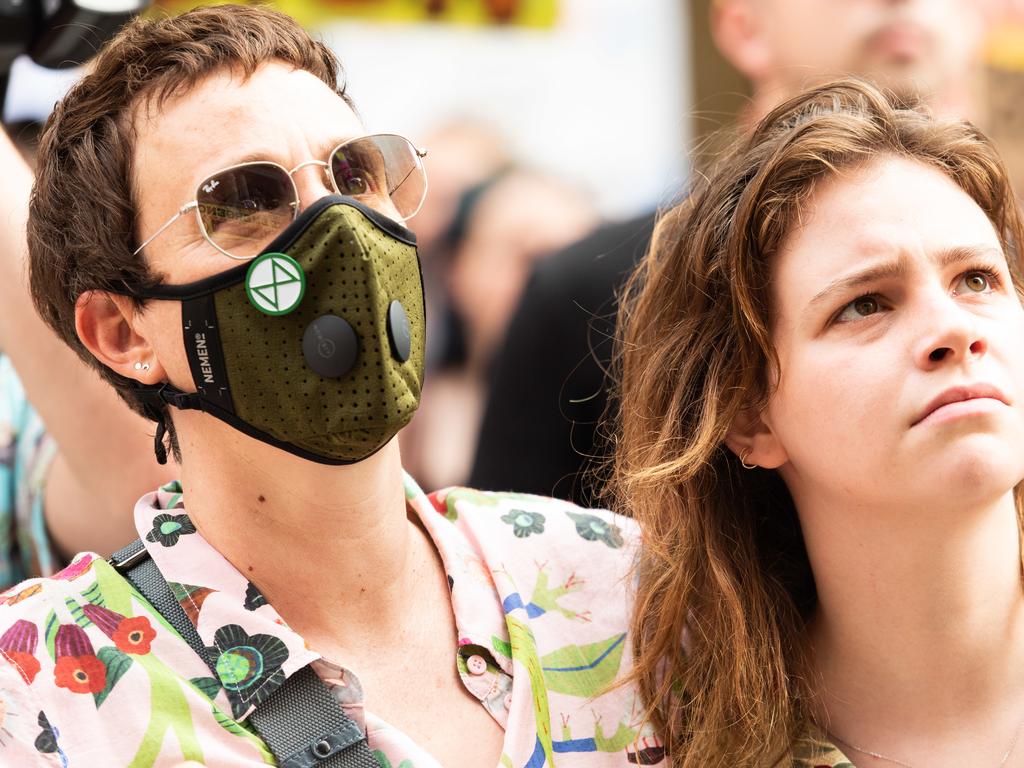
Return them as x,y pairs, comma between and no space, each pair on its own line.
584,670
228,724
117,663
618,741
524,650
210,686
385,763
502,647
52,625
77,613
93,594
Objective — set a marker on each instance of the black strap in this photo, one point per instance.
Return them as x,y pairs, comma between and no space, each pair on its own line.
301,722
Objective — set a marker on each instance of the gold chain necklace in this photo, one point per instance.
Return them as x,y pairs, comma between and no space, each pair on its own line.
894,761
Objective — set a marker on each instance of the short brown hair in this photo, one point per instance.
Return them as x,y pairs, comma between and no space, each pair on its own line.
724,563
81,229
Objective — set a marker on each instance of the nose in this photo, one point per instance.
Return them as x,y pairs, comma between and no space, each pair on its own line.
311,182
952,336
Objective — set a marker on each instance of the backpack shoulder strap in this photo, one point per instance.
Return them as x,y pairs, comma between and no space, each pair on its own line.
301,722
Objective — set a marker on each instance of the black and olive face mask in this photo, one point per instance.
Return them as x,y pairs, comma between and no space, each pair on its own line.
317,345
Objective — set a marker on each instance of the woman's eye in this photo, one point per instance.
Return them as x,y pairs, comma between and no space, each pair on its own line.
975,282
860,307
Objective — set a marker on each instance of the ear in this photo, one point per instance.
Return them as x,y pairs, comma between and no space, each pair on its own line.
751,438
738,31
106,325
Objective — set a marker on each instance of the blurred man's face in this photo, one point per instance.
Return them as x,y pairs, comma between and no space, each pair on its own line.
910,46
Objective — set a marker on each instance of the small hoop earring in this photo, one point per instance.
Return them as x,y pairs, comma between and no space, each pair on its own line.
743,460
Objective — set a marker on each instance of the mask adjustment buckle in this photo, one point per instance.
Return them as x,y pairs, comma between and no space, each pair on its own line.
183,401
167,394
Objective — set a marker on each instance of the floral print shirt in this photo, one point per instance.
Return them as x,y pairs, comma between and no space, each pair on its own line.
814,749
91,675
26,451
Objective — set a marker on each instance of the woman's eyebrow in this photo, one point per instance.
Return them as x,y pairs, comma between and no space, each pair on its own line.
899,266
893,268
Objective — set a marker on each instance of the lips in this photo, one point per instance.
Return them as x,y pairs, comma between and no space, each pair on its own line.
959,394
902,40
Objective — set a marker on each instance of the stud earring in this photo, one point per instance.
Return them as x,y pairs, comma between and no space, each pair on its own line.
141,366
743,460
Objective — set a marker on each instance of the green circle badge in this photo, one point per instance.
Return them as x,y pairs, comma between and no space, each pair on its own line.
275,283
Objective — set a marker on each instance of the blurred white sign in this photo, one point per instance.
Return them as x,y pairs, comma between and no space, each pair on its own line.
598,99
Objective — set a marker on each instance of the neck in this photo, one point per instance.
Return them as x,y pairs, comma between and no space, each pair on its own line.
920,620
313,538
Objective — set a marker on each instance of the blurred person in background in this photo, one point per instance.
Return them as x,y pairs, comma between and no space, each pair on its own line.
214,232
561,332
505,224
464,153
73,457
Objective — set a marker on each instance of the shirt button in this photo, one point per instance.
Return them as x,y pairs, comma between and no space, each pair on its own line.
508,701
476,665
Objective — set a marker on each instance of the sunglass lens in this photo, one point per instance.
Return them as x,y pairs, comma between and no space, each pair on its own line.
384,172
242,209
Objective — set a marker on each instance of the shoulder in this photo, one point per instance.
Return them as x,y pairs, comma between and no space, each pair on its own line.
537,521
31,613
530,543
563,575
601,259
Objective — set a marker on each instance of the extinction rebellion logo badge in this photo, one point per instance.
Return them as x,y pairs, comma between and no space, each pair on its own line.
275,283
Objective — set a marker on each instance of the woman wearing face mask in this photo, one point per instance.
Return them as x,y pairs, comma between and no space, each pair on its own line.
213,229
822,435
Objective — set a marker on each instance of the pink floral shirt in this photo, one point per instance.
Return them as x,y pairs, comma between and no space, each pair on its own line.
91,676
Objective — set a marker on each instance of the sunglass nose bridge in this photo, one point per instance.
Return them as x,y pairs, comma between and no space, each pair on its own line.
300,166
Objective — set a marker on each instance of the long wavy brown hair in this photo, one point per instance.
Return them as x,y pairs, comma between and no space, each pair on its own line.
725,586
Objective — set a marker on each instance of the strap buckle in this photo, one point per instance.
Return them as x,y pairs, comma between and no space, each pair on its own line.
122,561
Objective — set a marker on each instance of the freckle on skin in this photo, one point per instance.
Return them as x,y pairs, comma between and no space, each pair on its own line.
250,569
262,498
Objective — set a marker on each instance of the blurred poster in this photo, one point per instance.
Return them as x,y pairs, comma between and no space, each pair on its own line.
524,13
1004,87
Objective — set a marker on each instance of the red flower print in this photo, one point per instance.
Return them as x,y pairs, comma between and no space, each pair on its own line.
104,618
77,668
439,501
80,674
26,664
134,635
18,644
130,635
76,569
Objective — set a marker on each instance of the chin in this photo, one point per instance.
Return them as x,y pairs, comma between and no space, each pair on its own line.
976,474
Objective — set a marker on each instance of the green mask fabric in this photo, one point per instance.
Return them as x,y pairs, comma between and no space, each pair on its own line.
317,345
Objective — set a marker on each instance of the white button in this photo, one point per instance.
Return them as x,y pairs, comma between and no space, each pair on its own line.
476,665
508,701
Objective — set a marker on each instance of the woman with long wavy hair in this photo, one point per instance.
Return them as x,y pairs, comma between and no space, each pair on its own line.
822,436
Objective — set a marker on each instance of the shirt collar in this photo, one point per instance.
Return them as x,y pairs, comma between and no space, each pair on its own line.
253,649
250,645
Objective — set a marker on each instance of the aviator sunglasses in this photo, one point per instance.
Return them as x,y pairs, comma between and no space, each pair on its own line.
244,207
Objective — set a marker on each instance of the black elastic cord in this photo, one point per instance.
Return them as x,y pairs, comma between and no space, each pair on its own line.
158,441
